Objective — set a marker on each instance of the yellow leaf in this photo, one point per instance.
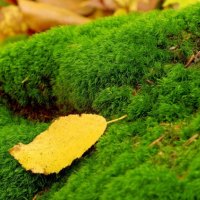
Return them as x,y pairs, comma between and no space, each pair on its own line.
180,3
65,140
120,11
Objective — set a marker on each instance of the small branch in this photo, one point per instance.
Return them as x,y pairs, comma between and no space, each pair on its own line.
157,141
115,120
149,82
189,62
195,58
190,140
39,194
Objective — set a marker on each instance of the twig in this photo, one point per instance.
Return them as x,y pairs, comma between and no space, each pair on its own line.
39,194
149,82
190,140
157,141
189,62
197,57
115,120
194,58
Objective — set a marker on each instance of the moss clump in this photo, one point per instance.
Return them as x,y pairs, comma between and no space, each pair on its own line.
29,68
124,166
16,183
123,57
99,66
12,39
70,65
174,96
113,101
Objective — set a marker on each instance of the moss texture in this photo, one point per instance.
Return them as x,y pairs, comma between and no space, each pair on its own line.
70,65
127,65
16,183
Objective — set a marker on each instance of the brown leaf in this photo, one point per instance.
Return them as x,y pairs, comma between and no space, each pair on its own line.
41,16
78,6
103,4
146,5
12,1
110,4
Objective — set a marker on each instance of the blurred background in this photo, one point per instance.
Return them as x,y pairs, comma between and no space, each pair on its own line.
19,19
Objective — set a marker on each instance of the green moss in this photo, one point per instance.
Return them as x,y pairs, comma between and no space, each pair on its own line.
113,101
99,67
13,39
70,65
172,97
125,167
16,183
153,181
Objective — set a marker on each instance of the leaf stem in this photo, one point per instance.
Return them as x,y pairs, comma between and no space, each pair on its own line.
118,119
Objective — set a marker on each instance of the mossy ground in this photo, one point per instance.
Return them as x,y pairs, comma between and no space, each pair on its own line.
116,66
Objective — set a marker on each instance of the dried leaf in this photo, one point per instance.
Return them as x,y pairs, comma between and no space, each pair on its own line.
66,140
78,6
103,4
146,5
109,4
41,16
12,1
130,5
11,22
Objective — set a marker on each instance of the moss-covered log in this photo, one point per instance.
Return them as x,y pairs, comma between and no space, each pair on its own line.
69,66
131,64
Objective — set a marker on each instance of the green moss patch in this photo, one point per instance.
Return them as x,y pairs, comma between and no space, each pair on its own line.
16,183
68,66
130,65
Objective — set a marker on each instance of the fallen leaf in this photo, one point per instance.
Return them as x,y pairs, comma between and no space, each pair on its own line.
11,22
41,16
109,4
78,6
12,1
129,5
146,5
102,4
65,140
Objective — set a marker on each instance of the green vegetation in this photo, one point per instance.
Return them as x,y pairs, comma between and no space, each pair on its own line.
16,183
12,39
70,65
3,3
113,101
127,65
125,165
